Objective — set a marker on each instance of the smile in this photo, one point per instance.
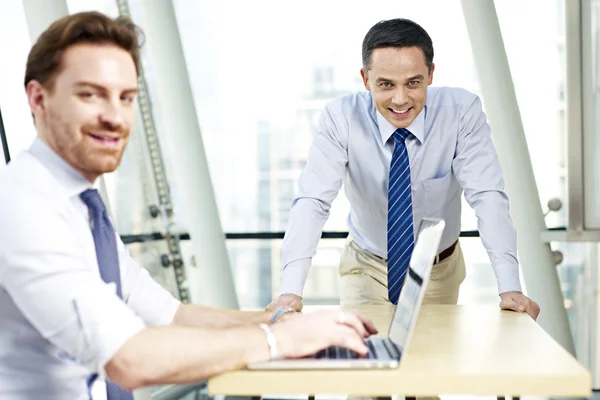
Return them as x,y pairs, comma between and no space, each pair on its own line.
400,113
105,139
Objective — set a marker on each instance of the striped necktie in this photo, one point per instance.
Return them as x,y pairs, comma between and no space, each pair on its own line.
400,217
108,263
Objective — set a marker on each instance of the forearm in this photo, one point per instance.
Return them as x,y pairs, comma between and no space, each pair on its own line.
318,186
499,239
208,317
294,277
478,171
307,218
176,354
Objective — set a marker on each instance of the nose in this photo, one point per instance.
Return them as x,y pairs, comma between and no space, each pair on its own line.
400,96
112,117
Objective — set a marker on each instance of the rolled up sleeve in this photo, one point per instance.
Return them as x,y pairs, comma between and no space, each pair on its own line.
153,303
44,270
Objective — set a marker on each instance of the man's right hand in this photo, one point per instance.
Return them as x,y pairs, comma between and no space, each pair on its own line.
286,300
304,334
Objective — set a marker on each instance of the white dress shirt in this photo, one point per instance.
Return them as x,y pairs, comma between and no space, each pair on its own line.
59,322
450,149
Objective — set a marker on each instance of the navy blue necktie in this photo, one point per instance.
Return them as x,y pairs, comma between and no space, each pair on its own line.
400,217
108,263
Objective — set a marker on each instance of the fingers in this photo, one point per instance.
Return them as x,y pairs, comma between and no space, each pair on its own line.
289,300
274,304
533,309
349,338
309,333
351,320
509,303
527,305
296,304
521,303
359,322
366,322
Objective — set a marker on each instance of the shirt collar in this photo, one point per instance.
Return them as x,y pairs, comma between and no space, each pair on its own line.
69,178
417,127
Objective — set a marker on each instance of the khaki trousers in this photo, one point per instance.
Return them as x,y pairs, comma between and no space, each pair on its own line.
363,280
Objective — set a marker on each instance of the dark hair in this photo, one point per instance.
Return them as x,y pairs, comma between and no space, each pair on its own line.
399,32
43,62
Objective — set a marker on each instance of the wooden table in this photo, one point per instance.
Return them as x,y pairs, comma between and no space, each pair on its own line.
476,350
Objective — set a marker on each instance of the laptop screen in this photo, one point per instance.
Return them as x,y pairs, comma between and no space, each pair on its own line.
415,283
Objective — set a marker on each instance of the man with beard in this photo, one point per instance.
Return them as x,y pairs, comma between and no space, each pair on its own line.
73,304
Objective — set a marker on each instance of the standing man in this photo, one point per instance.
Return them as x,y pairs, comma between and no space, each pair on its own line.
73,304
404,151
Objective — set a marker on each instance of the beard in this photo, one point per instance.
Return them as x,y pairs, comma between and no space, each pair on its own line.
81,151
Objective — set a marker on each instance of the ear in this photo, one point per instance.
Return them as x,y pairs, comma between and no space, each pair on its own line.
365,77
431,75
36,96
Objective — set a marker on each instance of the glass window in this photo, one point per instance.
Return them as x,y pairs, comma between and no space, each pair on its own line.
539,52
13,100
262,71
260,83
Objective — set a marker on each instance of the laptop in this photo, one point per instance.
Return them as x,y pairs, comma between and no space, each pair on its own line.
383,352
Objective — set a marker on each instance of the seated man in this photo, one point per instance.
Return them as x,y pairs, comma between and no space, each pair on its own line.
73,304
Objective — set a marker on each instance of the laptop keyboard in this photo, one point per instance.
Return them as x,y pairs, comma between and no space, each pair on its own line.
377,349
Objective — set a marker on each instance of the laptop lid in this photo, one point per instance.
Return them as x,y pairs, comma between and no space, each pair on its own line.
415,282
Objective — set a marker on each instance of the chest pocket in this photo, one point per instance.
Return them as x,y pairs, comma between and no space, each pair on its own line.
437,194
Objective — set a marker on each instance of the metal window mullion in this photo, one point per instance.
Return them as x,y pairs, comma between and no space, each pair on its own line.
159,173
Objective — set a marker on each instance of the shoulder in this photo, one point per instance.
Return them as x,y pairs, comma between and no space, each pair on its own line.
29,195
345,112
26,178
439,97
350,104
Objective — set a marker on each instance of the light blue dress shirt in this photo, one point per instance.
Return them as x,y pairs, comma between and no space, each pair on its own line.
450,149
59,321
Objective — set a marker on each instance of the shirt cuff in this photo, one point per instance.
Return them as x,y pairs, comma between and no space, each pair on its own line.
508,279
294,276
169,312
153,303
127,330
107,323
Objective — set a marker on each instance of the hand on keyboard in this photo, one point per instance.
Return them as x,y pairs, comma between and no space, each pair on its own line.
306,334
340,353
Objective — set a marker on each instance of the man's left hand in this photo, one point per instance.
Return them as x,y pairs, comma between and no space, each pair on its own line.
517,301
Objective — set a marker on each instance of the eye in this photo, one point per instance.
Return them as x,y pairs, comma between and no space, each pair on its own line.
413,83
87,95
386,84
128,98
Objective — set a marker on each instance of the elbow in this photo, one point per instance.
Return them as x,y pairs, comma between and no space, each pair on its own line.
181,315
125,370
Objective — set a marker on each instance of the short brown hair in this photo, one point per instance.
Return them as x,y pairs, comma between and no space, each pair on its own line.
43,62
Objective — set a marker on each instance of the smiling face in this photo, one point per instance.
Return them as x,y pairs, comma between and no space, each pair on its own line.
398,78
87,111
